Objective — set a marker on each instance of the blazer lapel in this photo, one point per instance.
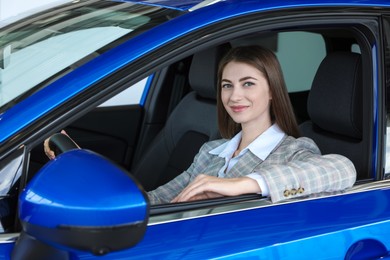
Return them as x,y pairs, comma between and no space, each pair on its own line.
244,166
214,165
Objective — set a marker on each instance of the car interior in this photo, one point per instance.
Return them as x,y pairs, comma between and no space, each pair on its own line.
329,86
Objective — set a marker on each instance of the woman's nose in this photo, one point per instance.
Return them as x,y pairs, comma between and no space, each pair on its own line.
236,94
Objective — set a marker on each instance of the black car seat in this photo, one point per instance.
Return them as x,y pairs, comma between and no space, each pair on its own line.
335,107
192,123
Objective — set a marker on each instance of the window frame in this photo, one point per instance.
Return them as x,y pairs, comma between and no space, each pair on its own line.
369,102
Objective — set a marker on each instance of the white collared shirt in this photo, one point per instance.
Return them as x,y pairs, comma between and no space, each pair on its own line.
262,146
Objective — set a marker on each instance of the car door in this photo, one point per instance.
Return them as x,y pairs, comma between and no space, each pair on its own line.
300,228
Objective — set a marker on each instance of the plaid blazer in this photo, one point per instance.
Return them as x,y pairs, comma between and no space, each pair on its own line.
294,168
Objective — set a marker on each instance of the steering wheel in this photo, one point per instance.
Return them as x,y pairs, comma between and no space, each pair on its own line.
60,143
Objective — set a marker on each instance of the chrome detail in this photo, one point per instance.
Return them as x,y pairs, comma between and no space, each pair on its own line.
203,4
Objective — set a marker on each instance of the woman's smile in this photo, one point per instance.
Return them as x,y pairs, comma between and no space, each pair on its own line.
238,108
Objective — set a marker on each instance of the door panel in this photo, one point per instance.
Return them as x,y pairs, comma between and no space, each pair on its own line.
110,131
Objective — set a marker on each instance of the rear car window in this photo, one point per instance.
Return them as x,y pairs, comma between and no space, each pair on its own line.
300,54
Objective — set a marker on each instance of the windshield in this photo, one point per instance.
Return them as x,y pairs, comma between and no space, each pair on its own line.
37,50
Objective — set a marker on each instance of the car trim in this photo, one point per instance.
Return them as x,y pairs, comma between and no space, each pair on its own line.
257,204
8,238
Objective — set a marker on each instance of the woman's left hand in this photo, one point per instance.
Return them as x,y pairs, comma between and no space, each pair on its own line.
206,187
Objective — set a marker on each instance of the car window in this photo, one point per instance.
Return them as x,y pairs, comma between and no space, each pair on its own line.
130,96
10,172
33,64
300,54
56,43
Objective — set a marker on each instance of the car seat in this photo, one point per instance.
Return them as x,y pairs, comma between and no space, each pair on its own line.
335,107
192,123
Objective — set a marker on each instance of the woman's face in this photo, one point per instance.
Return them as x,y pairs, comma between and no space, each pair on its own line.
245,95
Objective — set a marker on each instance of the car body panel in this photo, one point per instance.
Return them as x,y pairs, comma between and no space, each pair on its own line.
7,247
274,232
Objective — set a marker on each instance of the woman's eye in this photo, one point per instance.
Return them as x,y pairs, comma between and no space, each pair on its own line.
226,85
248,84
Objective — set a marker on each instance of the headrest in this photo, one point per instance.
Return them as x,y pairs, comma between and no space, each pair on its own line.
335,99
204,69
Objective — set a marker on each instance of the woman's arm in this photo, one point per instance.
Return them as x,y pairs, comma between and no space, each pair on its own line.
308,172
207,187
167,192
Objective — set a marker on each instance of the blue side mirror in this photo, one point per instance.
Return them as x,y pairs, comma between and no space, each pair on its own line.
82,201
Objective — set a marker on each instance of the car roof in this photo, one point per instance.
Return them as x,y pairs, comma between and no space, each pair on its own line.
191,5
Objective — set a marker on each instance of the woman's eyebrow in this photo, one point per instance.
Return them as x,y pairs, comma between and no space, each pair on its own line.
242,79
225,80
246,78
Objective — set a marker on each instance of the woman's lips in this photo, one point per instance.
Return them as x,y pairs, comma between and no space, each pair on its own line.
238,109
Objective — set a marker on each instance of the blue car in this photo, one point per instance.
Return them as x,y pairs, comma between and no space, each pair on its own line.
133,84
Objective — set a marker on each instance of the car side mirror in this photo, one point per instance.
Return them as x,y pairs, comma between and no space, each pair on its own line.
81,201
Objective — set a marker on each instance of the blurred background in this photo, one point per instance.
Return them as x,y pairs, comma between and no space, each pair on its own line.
11,10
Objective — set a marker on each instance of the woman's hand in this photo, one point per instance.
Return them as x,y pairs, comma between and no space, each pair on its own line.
206,187
48,151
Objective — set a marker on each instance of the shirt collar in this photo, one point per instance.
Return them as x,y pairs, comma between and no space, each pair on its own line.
262,146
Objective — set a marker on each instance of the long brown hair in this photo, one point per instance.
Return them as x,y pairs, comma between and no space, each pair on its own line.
266,62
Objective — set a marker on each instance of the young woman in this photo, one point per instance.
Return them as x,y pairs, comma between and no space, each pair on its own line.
262,151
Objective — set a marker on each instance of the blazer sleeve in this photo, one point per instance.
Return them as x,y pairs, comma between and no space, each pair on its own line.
168,191
306,172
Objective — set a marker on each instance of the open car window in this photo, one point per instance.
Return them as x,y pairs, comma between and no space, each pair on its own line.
300,54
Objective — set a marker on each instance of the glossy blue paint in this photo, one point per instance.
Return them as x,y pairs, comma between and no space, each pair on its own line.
366,249
70,85
146,90
273,232
188,4
81,188
6,249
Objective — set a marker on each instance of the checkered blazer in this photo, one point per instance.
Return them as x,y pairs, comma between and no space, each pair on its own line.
294,168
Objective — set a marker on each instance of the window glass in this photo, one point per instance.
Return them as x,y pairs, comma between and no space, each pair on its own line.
10,171
300,54
33,55
130,96
355,48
